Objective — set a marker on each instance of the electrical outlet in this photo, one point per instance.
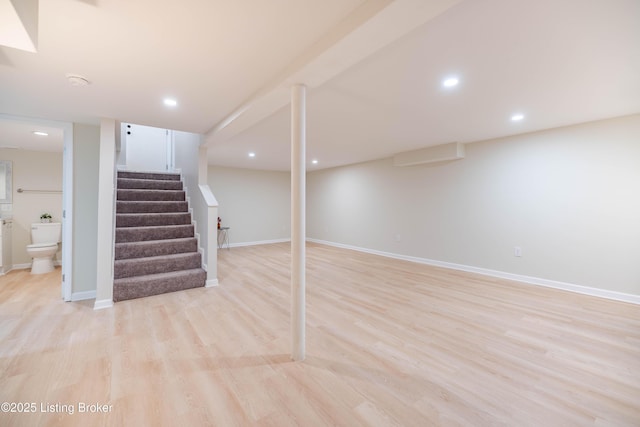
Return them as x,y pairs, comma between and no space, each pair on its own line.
517,251
397,237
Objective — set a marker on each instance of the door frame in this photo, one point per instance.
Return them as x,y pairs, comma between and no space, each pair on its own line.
67,213
67,196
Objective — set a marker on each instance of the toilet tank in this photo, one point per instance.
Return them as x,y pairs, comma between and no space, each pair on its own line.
46,232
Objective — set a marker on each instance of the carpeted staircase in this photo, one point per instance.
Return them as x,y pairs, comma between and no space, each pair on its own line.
155,250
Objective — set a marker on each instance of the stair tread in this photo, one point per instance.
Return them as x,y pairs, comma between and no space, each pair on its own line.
136,267
157,257
147,227
158,176
141,219
169,274
151,201
151,248
150,195
124,178
162,203
141,214
150,190
152,242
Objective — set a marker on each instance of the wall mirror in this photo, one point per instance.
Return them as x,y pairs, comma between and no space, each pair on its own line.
5,181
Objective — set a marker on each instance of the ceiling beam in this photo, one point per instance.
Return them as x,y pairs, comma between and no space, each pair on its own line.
369,28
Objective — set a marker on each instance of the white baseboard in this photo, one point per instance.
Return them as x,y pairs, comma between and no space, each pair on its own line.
211,283
21,266
81,296
602,293
103,303
260,242
27,265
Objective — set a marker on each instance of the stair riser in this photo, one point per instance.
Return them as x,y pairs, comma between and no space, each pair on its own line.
147,175
146,184
143,266
154,248
151,195
151,207
142,220
126,289
138,234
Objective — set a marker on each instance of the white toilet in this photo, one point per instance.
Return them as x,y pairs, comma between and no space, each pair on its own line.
44,238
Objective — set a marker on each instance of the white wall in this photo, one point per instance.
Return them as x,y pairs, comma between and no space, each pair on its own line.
32,170
569,197
186,148
191,160
255,204
86,160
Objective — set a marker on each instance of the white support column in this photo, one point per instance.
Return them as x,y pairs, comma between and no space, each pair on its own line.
298,188
106,216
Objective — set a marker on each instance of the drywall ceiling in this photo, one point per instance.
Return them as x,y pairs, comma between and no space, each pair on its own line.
209,55
558,62
373,67
20,135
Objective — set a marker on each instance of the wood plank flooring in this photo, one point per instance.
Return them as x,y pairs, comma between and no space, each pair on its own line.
389,343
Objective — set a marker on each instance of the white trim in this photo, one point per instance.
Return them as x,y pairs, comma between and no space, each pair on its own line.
202,257
105,229
586,290
261,242
103,303
21,266
67,207
194,223
211,283
27,265
81,296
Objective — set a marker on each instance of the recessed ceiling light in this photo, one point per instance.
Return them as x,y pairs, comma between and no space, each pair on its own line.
450,82
170,102
517,117
40,133
314,161
252,154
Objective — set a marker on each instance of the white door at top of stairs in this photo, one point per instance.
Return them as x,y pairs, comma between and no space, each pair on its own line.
148,149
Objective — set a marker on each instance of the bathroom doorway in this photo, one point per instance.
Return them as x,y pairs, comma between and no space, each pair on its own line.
61,141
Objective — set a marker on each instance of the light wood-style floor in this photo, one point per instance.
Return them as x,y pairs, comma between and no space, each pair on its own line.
388,342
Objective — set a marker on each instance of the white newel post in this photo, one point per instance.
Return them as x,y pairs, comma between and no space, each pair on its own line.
298,184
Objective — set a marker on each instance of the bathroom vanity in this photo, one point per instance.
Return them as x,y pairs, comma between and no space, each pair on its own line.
6,259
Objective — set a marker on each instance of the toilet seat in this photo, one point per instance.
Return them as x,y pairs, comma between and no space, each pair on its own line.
41,245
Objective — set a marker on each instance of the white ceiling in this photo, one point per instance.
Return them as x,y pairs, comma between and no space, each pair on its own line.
374,70
16,134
